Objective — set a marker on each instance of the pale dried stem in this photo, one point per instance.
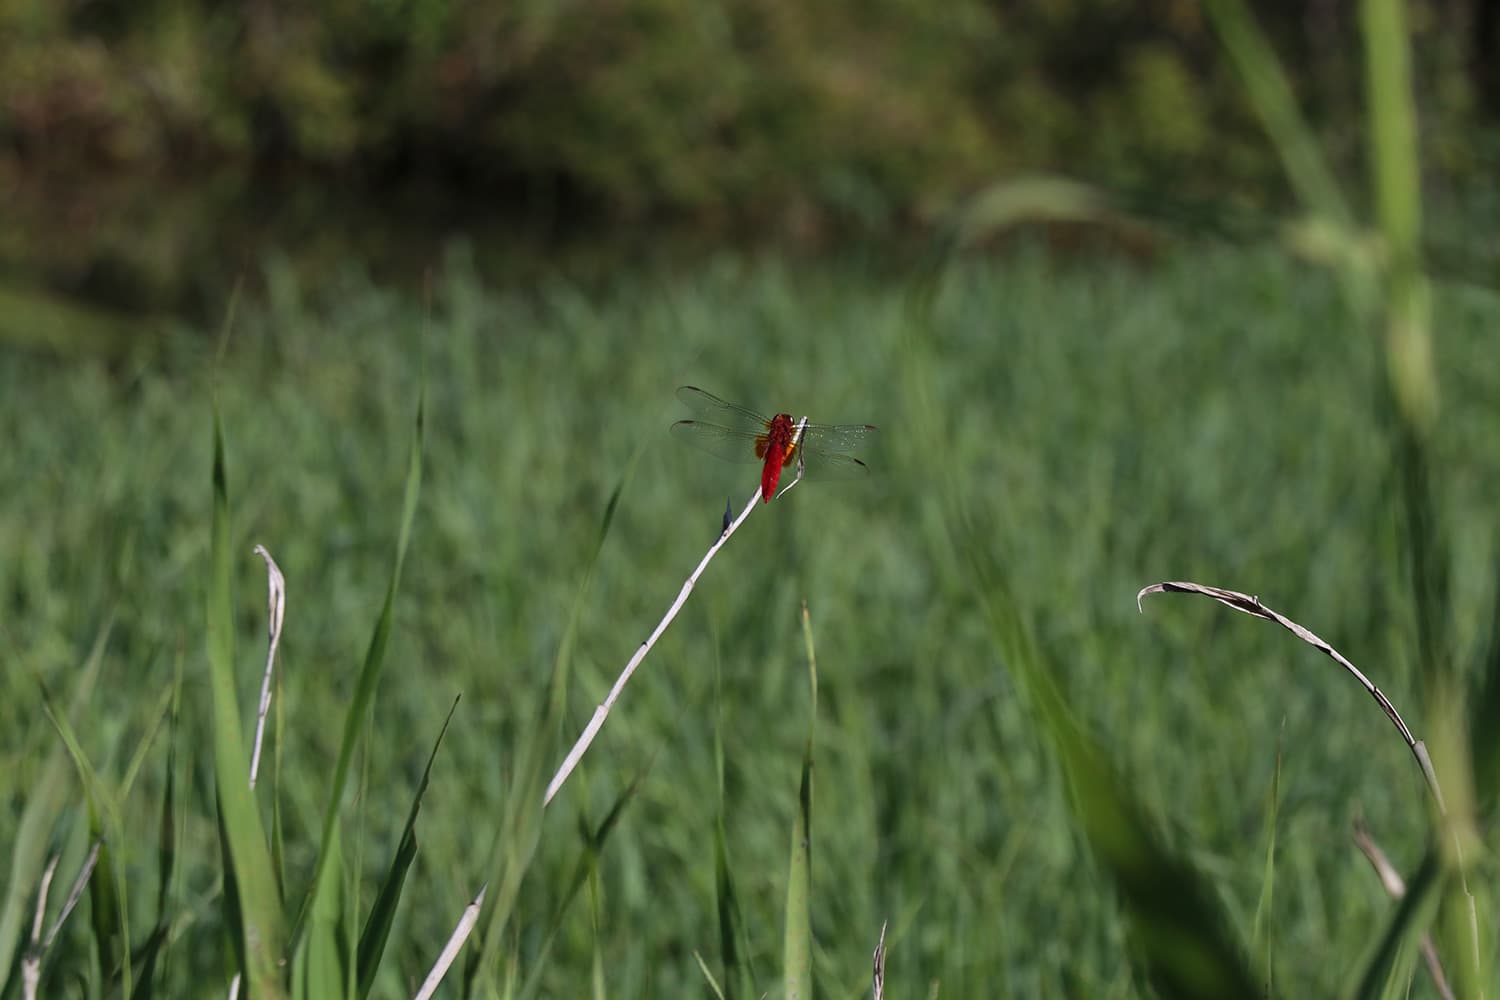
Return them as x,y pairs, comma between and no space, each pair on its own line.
43,891
878,979
31,962
1395,887
31,965
586,738
1251,605
75,893
276,611
450,950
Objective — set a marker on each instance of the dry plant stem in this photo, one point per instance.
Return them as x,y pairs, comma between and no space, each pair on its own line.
276,611
586,738
1251,606
43,891
75,893
450,950
878,980
1395,887
31,965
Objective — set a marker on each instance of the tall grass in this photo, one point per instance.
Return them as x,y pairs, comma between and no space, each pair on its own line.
1066,417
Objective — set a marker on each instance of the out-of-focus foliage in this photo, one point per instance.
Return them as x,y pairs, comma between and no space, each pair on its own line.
153,151
868,112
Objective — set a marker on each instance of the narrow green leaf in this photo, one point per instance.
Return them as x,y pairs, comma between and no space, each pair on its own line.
248,870
797,953
1393,129
28,853
708,977
318,965
327,875
1484,735
378,924
1264,935
108,916
150,955
1178,932
739,976
1271,93
521,823
278,839
166,852
584,870
1388,970
1312,178
166,843
106,907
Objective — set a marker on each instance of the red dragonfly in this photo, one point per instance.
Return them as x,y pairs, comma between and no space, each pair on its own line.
740,434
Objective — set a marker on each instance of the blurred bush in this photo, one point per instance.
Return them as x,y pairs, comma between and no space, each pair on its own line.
723,112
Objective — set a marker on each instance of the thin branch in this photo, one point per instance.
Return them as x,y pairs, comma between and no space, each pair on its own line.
450,950
586,738
878,980
276,611
1251,606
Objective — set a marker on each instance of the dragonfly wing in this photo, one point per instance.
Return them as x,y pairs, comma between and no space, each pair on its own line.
723,412
840,437
728,443
828,465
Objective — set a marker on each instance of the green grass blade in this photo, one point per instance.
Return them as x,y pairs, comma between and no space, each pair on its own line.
108,915
708,977
318,965
797,952
278,839
1396,181
521,823
256,905
166,852
1178,932
1484,735
107,908
28,852
1270,90
1393,130
1271,94
1263,937
739,976
323,905
1388,970
377,927
584,871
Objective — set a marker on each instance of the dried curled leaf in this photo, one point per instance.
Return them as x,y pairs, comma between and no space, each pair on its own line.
1251,605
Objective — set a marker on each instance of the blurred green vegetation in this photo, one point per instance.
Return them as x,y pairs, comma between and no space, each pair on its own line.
727,109
1113,424
142,144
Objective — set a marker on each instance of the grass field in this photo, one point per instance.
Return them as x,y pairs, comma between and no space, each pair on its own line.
1212,415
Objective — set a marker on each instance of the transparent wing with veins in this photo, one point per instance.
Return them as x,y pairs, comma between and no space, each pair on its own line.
738,434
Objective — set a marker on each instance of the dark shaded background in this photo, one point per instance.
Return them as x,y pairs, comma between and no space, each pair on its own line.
151,152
